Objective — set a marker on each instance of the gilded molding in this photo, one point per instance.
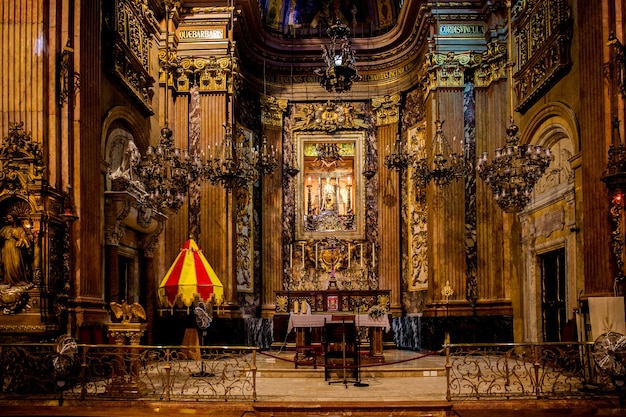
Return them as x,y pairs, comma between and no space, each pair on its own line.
328,117
386,109
272,110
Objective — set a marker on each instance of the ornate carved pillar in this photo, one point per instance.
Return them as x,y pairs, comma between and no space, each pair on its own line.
149,244
113,232
272,111
387,113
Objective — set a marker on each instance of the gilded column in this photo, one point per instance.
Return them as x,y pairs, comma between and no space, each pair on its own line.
272,111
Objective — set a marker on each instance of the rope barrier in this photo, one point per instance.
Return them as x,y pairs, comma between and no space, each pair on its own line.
355,366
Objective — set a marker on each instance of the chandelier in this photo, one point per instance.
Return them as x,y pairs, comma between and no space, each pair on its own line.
514,171
516,168
234,164
340,70
165,171
267,160
400,157
445,165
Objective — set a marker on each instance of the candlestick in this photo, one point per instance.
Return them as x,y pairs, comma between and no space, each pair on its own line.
349,247
302,255
316,256
290,256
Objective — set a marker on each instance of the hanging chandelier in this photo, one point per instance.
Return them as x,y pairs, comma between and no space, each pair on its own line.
234,164
515,169
445,165
340,70
165,171
267,160
400,157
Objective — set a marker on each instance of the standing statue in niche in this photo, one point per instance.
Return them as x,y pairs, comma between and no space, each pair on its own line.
16,252
329,194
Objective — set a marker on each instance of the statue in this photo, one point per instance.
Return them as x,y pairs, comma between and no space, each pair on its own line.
17,244
329,196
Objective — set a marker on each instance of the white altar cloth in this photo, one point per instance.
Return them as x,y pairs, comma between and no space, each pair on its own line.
318,320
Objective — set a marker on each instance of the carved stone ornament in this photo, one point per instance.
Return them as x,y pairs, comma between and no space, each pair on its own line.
543,36
387,109
212,74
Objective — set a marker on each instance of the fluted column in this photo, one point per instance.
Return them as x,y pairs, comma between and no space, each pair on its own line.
272,214
388,252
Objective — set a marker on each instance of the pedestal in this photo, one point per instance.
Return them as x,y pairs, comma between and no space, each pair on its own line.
125,381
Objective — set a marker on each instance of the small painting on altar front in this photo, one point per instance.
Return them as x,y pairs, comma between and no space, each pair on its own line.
329,192
333,303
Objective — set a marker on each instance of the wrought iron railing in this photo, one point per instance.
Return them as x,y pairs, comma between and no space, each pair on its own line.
525,371
112,371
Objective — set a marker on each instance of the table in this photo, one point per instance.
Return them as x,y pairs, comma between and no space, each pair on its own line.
301,322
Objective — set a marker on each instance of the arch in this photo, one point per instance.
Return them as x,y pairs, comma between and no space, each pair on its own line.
551,115
121,116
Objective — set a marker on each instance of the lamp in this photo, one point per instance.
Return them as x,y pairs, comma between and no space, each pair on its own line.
267,161
340,71
515,169
164,170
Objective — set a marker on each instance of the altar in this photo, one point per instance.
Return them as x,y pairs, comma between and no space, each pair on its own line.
303,322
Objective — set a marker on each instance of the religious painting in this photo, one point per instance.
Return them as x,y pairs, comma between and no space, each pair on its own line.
329,190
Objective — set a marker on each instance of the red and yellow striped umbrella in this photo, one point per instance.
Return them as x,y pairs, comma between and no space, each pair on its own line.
190,278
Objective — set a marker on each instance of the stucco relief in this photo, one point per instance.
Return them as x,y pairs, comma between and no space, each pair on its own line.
559,171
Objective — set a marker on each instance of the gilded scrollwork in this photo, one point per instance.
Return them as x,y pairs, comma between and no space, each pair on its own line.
328,117
272,110
386,109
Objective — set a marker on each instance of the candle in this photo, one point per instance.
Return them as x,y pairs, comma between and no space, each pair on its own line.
373,256
303,255
349,180
316,256
290,256
349,247
361,255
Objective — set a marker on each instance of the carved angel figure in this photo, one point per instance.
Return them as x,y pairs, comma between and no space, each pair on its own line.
128,312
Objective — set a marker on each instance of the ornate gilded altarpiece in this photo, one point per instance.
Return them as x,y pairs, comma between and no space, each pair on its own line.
34,241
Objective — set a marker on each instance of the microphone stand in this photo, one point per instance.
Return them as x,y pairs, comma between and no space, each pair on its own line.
358,382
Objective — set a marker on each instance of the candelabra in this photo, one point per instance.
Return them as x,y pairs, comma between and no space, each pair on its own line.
233,164
267,161
164,171
400,157
514,171
445,165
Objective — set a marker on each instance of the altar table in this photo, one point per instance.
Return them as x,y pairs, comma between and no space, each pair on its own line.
301,322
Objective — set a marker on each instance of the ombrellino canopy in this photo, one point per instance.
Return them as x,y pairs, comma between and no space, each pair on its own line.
190,278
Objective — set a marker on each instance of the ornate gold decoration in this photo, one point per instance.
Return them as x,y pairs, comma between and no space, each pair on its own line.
543,34
282,304
387,109
66,74
328,117
215,74
272,110
128,312
130,27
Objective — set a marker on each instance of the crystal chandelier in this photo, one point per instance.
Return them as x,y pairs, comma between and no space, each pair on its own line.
165,170
340,70
234,164
445,165
400,157
516,168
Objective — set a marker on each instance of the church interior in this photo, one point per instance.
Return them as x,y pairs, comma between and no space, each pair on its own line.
247,173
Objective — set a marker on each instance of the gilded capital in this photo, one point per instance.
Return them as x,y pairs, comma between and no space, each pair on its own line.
272,110
386,109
